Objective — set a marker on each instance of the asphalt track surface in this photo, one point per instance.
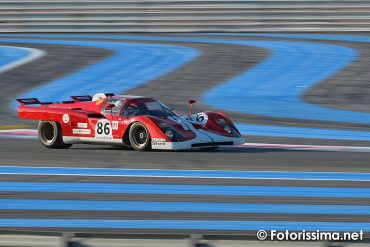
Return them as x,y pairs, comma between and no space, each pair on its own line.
30,152
217,64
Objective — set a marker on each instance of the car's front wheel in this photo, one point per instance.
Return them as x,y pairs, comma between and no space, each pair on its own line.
139,137
50,135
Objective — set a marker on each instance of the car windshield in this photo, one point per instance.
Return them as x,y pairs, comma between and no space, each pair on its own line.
152,108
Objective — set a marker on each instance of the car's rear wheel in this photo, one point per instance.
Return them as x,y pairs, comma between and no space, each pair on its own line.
139,137
50,135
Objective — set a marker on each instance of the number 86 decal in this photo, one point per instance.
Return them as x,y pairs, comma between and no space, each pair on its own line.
103,129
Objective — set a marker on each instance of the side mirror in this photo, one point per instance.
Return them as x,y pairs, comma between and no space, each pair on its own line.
191,102
110,107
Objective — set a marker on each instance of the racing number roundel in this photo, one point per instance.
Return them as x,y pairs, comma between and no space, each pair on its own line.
65,118
201,118
103,130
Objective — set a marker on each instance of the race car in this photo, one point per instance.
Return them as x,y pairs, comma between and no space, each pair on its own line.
142,123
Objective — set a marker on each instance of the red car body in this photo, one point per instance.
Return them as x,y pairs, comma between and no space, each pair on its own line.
110,119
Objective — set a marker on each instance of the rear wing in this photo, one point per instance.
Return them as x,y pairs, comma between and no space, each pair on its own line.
35,101
77,98
32,101
81,98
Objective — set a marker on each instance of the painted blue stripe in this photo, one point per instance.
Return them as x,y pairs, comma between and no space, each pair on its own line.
186,189
274,87
83,205
131,65
10,54
302,132
67,171
185,224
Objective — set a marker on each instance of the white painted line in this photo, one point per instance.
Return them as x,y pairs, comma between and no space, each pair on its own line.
307,147
201,174
34,54
20,132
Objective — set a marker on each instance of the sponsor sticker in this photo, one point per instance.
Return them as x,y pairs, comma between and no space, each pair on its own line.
82,125
81,131
158,141
115,125
65,118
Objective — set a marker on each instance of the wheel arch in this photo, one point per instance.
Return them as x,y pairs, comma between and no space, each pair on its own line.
125,136
54,137
152,127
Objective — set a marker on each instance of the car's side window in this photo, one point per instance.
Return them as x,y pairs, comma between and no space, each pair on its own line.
130,110
124,111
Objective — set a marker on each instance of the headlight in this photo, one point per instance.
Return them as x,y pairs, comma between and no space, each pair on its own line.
227,129
162,125
223,124
221,121
169,134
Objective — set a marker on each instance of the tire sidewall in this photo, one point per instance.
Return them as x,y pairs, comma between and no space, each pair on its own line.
41,134
132,130
57,141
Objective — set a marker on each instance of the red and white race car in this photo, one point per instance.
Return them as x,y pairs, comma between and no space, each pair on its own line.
139,122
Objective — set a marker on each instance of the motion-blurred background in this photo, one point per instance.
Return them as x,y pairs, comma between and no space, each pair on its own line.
184,16
293,74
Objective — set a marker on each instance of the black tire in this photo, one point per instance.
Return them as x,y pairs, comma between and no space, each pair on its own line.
140,137
50,135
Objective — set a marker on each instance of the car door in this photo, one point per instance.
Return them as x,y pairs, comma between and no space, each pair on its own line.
107,128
